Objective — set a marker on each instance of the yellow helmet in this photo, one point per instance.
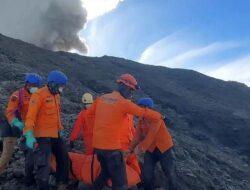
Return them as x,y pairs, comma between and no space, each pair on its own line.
87,98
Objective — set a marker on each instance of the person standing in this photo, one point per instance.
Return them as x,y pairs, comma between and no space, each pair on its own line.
84,124
16,112
110,112
153,139
44,131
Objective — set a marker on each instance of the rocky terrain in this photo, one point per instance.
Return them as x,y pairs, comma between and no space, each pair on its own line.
208,118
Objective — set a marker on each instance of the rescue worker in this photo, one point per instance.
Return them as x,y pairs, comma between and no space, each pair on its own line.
127,133
12,129
153,139
44,131
110,111
84,124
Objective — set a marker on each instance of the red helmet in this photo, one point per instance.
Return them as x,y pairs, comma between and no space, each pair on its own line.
128,80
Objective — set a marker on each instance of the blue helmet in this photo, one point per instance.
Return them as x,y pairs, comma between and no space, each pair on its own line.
147,102
33,78
57,77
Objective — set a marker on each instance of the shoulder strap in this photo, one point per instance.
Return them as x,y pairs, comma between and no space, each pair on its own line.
20,103
20,98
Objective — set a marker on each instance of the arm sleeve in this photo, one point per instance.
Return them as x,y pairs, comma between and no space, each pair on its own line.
34,106
137,138
150,137
77,128
12,107
131,108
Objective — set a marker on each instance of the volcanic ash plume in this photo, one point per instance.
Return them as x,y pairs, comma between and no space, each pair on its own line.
51,24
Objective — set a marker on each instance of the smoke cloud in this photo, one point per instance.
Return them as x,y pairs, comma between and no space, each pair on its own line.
51,24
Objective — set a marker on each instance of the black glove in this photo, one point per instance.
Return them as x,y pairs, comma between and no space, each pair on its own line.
71,144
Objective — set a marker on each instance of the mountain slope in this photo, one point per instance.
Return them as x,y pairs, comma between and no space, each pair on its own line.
210,118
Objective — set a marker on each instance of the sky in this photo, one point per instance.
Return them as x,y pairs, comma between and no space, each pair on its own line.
209,36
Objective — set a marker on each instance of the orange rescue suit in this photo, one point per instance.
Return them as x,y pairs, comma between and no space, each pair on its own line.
18,101
110,111
126,136
43,115
127,132
84,123
152,134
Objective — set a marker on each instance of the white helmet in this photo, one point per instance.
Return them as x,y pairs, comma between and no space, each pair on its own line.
87,98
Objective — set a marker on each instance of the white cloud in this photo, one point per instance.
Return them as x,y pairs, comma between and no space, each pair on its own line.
182,59
99,39
97,8
176,52
237,70
164,48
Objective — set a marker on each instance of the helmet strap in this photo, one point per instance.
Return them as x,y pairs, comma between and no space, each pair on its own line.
125,91
53,88
86,106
